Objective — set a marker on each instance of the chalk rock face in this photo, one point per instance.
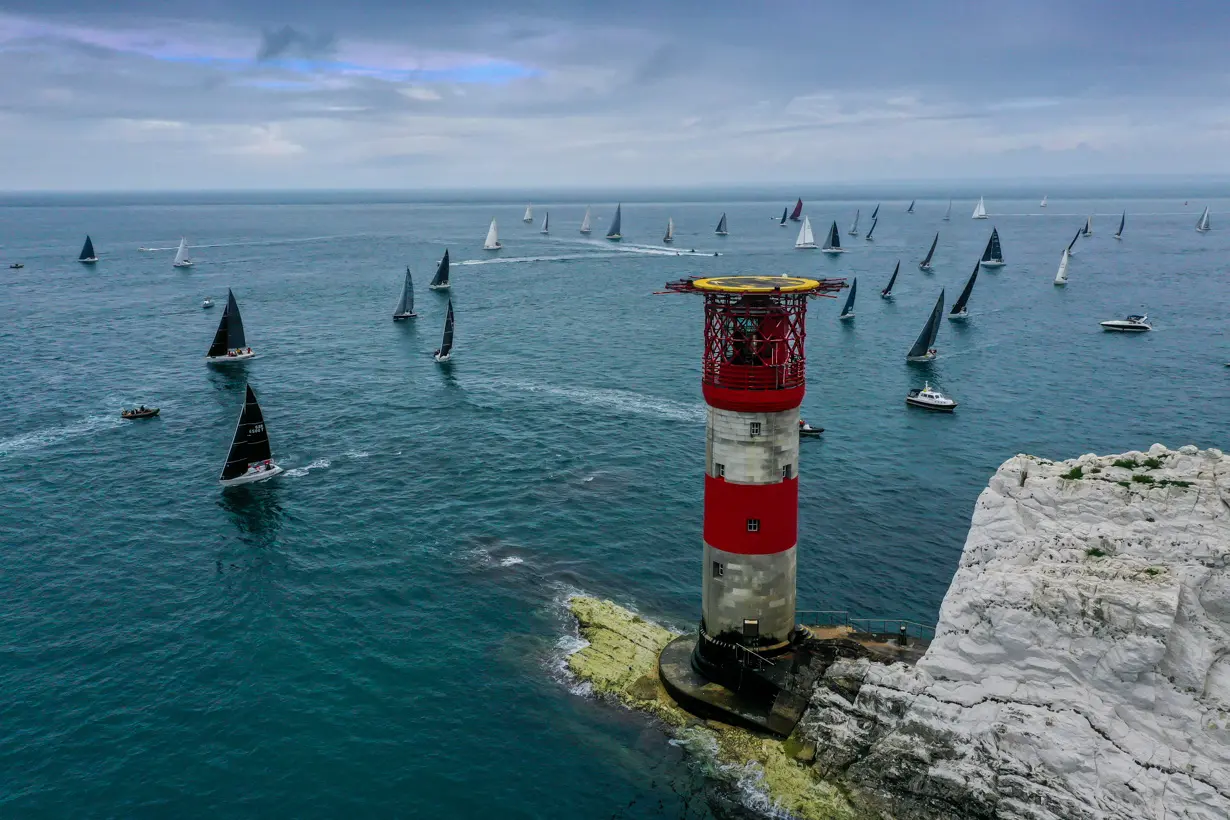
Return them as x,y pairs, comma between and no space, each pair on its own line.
1081,666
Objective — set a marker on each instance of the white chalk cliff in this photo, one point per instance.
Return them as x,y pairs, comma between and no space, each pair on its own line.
1081,666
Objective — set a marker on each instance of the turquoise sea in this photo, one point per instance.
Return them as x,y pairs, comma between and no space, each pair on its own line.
380,631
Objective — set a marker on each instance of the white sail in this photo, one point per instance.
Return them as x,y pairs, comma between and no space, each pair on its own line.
948,213
585,222
806,240
181,255
1088,226
980,210
529,214
1202,224
1061,278
493,238
854,228
1043,203
546,223
670,230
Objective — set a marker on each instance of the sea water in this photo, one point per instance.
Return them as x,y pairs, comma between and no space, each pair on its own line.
381,630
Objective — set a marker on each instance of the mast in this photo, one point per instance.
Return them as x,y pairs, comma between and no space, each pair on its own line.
798,211
888,291
806,239
440,280
721,226
585,222
959,307
834,241
930,330
926,263
854,228
872,229
1122,219
849,307
493,238
87,251
614,233
251,442
446,344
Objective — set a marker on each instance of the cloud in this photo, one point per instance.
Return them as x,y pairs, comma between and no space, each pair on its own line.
288,41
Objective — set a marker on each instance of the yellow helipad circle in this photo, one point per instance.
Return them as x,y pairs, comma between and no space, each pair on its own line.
756,284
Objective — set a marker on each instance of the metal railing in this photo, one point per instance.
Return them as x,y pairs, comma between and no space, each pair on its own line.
867,626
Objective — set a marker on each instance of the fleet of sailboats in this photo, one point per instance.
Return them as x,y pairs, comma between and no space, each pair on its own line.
805,241
444,353
250,457
670,231
854,228
1202,224
833,243
721,226
980,210
87,255
492,242
405,305
1122,220
887,293
230,343
181,255
926,263
847,312
993,254
585,229
613,234
924,346
958,311
440,280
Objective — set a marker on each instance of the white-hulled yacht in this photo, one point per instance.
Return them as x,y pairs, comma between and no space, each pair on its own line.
929,399
1130,324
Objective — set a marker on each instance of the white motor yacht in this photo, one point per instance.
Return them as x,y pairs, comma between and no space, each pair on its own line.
208,303
1130,324
930,399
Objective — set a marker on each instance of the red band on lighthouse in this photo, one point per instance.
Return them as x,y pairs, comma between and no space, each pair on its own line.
773,507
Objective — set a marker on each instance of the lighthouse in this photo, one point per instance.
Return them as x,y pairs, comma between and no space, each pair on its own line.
753,377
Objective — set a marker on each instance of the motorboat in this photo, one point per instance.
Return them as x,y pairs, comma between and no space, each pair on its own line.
141,412
929,399
16,266
208,303
250,458
807,431
1129,324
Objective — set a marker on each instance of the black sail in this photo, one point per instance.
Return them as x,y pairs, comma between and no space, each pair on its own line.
721,228
234,327
892,280
927,262
993,252
614,233
850,299
406,303
251,442
876,212
785,211
1122,220
910,209
927,338
446,344
834,241
1073,242
441,277
959,306
87,250
872,229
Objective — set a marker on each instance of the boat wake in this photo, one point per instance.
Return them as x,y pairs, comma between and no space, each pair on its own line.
567,645
262,242
318,464
506,260
38,439
621,401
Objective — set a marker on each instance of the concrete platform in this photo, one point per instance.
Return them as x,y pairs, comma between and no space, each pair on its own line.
703,698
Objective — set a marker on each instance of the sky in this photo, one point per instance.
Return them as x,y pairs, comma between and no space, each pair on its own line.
401,94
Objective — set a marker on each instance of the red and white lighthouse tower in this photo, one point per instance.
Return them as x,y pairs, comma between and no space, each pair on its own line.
754,379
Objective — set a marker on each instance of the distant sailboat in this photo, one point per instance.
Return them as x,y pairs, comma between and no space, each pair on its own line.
887,293
1202,224
546,222
876,212
585,222
445,352
181,255
833,243
926,263
980,210
910,209
854,228
250,458
529,214
440,280
87,257
872,229
1088,229
1042,204
670,230
1122,220
847,312
948,213
493,238
1061,278
405,305
993,254
797,212
785,211
721,228
958,311
924,347
805,241
613,234
230,343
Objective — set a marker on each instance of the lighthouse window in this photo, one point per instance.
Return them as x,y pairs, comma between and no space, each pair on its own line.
788,471
719,569
751,629
755,428
753,525
719,470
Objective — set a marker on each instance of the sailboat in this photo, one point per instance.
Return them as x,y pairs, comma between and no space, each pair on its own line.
585,229
493,238
613,234
958,311
670,230
440,280
854,228
924,346
546,223
847,312
1061,278
805,241
1122,219
1202,224
871,230
87,257
833,243
910,209
887,293
1072,244
785,211
876,212
181,255
1042,204
980,210
249,458
797,212
948,213
405,305
993,255
926,263
1088,229
445,351
529,214
229,344
721,228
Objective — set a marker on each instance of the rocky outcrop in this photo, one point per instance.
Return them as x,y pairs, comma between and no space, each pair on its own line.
1081,667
